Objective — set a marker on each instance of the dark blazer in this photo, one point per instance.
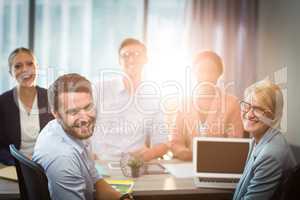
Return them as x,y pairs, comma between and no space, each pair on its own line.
10,130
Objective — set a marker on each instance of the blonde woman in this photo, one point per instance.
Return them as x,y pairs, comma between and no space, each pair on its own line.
261,112
23,109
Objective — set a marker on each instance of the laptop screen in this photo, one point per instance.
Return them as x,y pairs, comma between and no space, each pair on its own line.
221,156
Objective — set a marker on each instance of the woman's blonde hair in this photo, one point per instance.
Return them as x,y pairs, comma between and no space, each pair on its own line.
269,96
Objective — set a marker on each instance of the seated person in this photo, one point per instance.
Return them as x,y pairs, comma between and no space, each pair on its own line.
63,146
127,121
271,155
23,109
210,111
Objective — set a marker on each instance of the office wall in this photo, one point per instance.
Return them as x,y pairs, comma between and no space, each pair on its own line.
278,57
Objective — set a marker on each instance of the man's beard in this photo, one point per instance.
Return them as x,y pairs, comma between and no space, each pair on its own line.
78,127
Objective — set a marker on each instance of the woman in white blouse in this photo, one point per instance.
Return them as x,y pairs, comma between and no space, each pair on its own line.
23,109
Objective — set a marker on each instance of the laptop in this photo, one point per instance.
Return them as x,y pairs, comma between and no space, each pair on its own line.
219,162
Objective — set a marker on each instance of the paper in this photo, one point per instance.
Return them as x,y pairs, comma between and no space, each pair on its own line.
154,168
114,165
180,170
9,173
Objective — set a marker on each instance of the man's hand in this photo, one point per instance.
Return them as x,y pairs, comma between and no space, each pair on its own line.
104,191
126,197
148,154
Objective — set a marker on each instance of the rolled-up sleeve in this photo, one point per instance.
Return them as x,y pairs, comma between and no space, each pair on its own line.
65,179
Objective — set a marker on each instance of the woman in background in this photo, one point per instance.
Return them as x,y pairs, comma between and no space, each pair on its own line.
271,155
211,111
23,109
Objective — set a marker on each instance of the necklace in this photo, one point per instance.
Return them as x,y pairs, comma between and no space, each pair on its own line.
202,128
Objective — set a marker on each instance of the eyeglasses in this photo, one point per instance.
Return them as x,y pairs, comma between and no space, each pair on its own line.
133,54
257,111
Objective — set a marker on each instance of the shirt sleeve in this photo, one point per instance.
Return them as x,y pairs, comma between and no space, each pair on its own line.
65,179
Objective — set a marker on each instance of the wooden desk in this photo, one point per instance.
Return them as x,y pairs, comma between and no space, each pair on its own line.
9,189
163,186
166,187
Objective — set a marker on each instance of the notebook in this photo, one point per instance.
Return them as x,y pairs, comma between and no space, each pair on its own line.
219,162
122,186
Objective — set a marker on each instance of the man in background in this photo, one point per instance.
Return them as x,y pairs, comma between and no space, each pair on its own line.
128,120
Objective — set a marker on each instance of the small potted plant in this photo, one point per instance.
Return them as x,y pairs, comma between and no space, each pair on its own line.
135,163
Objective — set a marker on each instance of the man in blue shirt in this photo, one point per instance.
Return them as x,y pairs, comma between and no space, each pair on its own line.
129,111
62,147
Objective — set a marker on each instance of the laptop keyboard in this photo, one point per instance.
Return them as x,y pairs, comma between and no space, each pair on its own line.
219,180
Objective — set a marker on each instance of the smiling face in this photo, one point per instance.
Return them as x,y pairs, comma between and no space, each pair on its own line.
257,118
262,108
23,69
132,58
76,114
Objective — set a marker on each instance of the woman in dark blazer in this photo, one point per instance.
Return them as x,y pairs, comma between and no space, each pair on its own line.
23,109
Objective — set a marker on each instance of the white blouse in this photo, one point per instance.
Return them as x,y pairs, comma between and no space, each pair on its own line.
30,127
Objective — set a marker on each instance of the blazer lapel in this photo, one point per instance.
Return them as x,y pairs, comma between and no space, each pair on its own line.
15,114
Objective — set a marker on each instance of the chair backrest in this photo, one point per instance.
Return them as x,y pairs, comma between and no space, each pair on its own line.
33,182
289,186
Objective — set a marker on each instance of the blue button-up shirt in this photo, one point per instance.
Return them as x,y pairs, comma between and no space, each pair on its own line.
126,122
67,163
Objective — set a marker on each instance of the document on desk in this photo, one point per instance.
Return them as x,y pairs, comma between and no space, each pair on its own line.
180,170
9,173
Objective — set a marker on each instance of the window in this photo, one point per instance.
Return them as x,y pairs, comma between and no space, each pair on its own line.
165,40
13,34
84,36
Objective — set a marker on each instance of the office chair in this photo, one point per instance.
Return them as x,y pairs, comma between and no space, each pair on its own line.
289,187
33,182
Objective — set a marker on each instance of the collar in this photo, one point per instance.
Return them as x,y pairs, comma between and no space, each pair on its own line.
267,137
78,144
